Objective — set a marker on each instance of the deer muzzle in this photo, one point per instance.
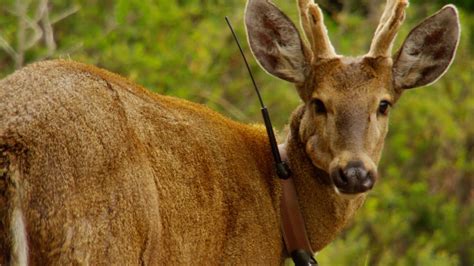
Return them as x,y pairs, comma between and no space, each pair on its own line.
354,178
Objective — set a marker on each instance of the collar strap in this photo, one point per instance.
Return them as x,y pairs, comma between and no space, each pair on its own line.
294,232
293,226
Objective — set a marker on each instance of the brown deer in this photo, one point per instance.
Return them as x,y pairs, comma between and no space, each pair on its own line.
97,170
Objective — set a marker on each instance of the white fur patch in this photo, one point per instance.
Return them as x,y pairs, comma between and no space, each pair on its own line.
17,227
19,239
348,196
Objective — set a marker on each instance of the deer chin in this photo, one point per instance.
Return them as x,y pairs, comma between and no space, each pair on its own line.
347,196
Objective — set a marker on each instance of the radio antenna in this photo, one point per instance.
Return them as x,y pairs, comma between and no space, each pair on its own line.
282,169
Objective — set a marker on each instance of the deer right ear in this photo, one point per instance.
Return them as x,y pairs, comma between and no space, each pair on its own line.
275,41
428,50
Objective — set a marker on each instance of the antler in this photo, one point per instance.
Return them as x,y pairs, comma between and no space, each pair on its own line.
390,22
312,23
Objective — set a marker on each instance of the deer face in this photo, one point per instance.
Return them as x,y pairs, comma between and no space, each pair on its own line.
347,100
346,120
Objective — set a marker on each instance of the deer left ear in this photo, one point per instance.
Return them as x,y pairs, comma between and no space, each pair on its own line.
428,50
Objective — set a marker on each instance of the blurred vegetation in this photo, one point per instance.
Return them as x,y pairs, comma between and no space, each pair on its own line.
422,210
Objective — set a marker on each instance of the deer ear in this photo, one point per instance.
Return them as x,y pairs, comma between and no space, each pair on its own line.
428,50
275,41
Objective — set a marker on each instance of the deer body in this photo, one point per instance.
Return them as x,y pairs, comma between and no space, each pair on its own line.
96,170
109,173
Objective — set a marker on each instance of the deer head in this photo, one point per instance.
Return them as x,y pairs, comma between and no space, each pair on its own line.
347,100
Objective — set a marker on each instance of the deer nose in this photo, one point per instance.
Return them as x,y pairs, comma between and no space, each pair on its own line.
353,179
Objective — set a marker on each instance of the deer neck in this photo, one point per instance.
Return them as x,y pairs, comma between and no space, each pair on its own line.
325,212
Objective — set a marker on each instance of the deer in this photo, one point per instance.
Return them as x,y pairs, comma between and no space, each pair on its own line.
95,169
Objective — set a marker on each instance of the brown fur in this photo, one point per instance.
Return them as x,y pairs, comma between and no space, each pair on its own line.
97,170
114,174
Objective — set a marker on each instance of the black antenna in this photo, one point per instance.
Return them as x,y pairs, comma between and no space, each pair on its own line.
282,169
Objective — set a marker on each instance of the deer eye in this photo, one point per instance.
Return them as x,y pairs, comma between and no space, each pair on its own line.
384,107
319,107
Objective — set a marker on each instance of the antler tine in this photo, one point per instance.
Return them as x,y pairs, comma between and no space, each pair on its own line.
390,22
304,20
389,6
312,22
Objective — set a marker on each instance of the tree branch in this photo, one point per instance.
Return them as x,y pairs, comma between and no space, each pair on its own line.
8,48
66,13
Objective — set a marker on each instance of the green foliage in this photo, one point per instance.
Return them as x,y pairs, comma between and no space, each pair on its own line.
421,211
